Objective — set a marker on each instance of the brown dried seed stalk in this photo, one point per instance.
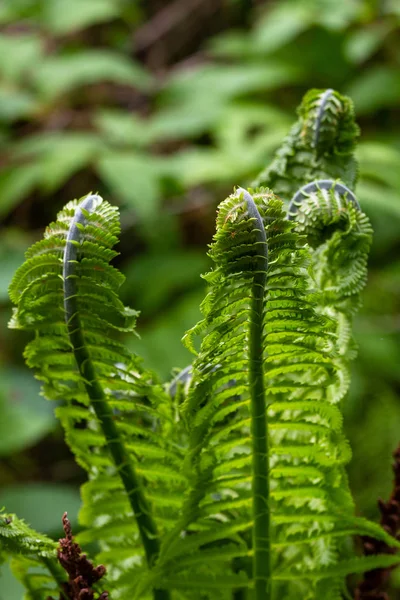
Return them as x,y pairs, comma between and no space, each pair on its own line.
81,572
372,587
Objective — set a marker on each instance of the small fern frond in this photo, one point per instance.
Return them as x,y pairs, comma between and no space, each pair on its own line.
18,538
320,145
339,235
34,557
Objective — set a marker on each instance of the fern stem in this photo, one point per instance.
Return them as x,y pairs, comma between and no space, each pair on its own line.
53,569
131,482
260,485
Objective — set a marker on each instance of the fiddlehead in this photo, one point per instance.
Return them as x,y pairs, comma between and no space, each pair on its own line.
339,235
320,145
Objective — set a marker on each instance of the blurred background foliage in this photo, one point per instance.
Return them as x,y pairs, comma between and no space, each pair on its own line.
162,106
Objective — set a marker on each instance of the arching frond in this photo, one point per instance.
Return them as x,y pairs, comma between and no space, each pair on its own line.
320,145
339,235
260,284
116,416
34,559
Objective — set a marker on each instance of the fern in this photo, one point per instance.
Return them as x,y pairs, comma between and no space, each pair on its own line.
232,483
113,413
33,554
320,145
261,316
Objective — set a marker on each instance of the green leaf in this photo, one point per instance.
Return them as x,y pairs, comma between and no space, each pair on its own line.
66,16
58,155
379,199
69,153
378,87
16,183
24,54
133,179
16,104
363,43
122,128
59,75
380,162
194,86
24,417
281,25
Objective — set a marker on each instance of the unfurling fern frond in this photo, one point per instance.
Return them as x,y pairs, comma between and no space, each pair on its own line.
320,145
34,558
117,418
339,235
268,509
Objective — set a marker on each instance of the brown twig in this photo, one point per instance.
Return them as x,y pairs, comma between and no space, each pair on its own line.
373,585
81,572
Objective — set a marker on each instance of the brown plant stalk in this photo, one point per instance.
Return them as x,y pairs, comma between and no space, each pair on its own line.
373,584
81,572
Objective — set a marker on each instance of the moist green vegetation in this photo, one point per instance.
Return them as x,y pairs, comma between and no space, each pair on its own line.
231,482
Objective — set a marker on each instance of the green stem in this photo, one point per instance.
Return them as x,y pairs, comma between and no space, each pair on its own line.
260,483
54,570
131,482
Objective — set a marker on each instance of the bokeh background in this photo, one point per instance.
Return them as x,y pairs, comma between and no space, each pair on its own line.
162,106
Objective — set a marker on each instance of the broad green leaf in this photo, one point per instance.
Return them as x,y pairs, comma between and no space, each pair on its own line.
122,128
380,162
133,179
379,199
59,154
23,52
69,154
16,104
281,25
184,120
58,75
210,84
231,44
363,43
65,16
377,87
17,182
198,165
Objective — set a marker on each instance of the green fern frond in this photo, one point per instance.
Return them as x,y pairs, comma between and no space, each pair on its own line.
262,316
320,145
339,235
34,557
39,581
18,538
116,416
